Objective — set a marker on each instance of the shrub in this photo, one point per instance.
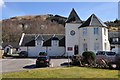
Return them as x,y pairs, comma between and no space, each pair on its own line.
89,57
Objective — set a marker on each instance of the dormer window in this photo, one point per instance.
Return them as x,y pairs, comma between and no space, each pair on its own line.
115,39
39,42
55,42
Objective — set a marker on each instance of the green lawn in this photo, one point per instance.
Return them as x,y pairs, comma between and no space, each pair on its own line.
67,72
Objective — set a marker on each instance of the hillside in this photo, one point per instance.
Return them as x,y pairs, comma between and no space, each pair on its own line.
43,24
113,25
13,28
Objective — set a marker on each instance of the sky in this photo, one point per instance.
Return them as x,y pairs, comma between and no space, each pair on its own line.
119,10
106,11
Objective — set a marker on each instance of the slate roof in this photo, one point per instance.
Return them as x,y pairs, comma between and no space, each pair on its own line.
29,39
73,17
12,44
93,21
114,42
112,35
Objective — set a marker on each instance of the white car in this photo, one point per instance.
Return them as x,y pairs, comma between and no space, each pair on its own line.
117,50
108,56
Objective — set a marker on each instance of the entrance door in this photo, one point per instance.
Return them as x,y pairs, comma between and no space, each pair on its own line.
75,49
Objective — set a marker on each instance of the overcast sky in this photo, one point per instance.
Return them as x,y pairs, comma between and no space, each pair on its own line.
106,11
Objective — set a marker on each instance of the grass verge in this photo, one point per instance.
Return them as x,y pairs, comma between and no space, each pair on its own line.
67,72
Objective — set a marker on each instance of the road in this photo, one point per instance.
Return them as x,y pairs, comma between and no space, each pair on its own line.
14,65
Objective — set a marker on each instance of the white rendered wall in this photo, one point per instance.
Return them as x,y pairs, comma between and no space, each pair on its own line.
23,49
33,51
55,51
105,40
71,41
91,39
51,51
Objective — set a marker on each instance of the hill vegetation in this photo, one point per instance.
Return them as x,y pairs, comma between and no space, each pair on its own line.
13,28
41,24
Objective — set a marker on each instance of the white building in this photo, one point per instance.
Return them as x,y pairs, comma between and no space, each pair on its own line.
10,47
114,41
92,35
53,45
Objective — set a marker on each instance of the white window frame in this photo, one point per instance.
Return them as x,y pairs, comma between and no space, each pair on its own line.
84,31
96,46
55,42
105,46
39,42
96,31
115,39
105,31
85,47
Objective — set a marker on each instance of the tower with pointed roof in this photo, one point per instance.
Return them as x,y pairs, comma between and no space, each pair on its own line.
93,35
72,33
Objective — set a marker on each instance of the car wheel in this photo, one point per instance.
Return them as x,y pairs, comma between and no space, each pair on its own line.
37,66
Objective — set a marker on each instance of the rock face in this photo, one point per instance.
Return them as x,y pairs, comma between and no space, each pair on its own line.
40,24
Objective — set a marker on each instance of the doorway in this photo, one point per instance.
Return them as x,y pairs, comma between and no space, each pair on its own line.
75,49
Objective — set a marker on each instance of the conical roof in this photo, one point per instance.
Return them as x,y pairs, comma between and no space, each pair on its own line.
93,21
73,17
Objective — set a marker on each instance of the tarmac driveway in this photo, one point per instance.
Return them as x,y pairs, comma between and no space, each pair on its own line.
14,65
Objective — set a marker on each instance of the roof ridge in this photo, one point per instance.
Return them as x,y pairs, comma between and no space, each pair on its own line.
44,34
91,19
73,16
100,21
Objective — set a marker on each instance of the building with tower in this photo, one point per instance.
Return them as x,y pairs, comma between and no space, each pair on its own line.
91,35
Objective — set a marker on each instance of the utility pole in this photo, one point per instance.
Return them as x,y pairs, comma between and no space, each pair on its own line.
68,60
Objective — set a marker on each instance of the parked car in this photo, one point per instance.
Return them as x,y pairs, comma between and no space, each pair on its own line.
23,54
43,61
42,54
108,58
118,60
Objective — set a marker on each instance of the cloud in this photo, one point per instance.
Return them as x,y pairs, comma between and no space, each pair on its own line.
2,4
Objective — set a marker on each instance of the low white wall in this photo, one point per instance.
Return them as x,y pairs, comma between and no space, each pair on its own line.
51,51
55,51
34,51
23,49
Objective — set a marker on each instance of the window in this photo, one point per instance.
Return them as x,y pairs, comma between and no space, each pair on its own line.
69,48
100,53
39,42
115,39
96,46
54,42
104,31
85,46
110,53
96,31
105,46
84,31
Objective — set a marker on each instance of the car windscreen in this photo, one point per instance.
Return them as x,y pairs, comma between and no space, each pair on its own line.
100,53
42,58
110,53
